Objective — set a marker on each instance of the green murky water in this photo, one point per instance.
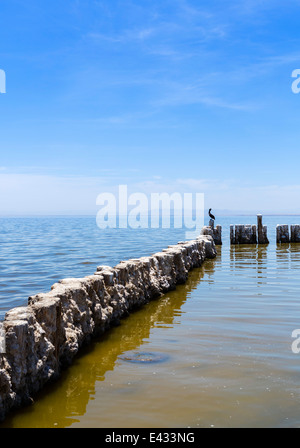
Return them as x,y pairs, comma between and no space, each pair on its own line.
214,352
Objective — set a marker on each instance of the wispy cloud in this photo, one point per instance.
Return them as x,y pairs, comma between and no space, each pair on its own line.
253,7
31,193
178,94
184,47
260,67
129,35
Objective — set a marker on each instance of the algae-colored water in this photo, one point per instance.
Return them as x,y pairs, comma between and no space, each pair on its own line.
214,352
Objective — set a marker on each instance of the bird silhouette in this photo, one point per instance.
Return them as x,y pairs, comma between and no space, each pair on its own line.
210,215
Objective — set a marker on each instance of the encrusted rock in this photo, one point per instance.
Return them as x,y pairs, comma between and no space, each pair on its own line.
215,232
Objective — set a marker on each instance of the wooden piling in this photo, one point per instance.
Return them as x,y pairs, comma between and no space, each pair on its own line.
232,234
261,231
282,233
243,234
295,233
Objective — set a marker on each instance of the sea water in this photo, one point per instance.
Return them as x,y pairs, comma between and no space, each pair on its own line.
216,352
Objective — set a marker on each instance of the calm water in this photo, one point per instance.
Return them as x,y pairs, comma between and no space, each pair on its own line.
222,341
37,252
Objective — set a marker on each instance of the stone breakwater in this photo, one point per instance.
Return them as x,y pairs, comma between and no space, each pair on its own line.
42,338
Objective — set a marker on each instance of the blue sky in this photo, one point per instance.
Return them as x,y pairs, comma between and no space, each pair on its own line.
175,96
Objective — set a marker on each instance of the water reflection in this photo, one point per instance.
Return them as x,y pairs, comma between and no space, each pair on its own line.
61,404
287,254
243,254
243,257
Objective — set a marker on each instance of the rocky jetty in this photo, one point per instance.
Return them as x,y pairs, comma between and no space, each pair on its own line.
42,338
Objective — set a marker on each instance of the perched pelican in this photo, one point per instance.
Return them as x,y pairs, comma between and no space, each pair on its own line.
210,215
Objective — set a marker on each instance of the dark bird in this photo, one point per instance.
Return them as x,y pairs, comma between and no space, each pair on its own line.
210,215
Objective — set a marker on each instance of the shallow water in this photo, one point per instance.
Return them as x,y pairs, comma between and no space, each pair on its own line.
214,352
37,252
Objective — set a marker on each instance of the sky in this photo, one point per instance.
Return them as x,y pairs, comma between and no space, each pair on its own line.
162,96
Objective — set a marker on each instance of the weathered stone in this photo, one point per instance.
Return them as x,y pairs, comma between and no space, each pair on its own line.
214,232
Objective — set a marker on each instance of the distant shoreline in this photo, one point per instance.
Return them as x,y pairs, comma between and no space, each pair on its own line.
94,216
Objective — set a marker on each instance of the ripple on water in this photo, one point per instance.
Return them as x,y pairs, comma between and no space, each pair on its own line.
145,357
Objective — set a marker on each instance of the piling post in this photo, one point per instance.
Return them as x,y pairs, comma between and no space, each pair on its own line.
282,234
238,232
253,238
218,235
261,231
295,234
212,223
243,234
232,236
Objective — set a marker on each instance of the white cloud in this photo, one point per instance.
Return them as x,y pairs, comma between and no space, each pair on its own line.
129,35
36,194
177,94
230,194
